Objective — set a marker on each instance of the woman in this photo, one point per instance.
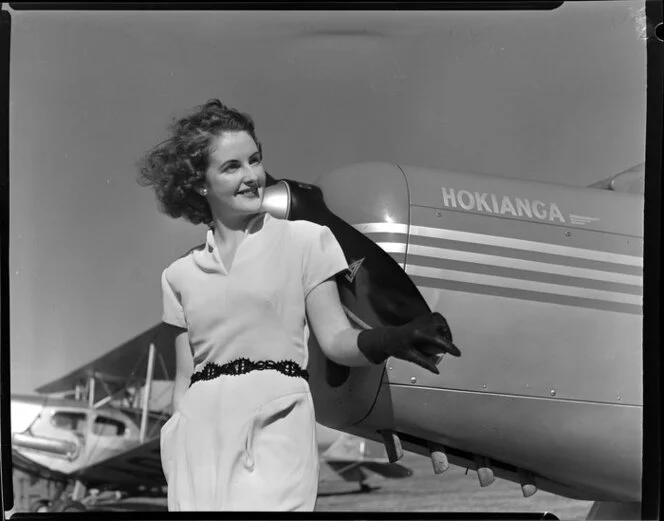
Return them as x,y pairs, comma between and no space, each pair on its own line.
242,436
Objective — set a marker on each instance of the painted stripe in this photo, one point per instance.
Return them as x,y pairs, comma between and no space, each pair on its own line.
496,240
399,258
519,244
392,247
508,262
520,284
534,276
550,298
382,227
509,253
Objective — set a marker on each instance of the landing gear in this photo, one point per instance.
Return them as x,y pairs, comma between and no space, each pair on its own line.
68,505
365,487
41,505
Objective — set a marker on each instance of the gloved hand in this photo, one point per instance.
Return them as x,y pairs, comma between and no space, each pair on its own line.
419,342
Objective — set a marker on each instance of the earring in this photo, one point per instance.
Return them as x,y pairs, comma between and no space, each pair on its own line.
203,191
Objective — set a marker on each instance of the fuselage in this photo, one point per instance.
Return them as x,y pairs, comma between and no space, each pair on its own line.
42,425
542,287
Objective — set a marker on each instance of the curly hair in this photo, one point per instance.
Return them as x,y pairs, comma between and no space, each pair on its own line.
177,166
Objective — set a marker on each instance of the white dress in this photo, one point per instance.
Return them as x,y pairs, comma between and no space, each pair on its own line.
247,442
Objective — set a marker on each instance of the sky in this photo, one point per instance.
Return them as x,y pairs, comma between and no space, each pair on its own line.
555,96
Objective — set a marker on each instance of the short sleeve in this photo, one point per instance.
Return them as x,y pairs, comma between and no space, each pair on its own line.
323,258
173,313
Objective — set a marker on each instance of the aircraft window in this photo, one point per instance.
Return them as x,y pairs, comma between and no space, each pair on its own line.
104,426
71,421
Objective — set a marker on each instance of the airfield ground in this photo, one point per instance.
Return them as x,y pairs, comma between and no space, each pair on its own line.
453,491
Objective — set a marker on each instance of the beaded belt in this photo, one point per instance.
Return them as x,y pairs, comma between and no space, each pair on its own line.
244,365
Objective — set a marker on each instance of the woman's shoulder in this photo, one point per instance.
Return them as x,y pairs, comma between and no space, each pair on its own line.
286,231
183,263
305,228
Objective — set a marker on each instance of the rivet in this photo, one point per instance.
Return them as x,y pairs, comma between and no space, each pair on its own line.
413,380
619,399
439,214
484,386
389,368
553,392
569,234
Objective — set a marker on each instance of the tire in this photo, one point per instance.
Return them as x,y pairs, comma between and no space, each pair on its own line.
69,505
40,505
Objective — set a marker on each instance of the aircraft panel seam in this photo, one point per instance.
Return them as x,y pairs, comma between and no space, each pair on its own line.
513,395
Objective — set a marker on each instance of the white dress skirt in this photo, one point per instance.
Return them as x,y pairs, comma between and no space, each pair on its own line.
245,442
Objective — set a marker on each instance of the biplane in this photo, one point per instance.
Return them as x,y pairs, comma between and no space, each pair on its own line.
95,431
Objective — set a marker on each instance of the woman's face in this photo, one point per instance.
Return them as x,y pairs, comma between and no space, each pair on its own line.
235,178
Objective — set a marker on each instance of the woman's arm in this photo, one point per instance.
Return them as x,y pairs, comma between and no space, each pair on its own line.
336,336
420,341
184,363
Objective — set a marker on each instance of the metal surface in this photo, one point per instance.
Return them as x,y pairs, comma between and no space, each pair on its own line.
276,200
51,445
542,287
338,406
529,342
378,291
91,441
594,447
367,192
580,208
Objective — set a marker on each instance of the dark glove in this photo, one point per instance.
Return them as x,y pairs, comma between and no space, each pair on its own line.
420,342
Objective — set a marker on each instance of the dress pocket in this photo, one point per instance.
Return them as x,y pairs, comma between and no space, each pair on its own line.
272,422
166,444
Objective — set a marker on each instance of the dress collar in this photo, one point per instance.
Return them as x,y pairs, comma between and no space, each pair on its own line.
253,226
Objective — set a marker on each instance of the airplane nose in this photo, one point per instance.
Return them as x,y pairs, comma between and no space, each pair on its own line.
48,445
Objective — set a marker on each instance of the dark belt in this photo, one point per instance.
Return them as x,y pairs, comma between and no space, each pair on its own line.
244,365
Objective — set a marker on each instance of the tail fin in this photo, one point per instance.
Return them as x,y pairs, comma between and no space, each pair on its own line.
346,448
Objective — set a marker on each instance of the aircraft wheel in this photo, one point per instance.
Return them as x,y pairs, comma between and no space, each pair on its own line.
41,505
69,506
365,487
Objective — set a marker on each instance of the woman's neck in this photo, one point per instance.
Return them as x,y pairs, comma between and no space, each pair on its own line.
230,230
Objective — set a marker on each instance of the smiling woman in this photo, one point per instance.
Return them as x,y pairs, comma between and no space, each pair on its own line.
243,434
177,167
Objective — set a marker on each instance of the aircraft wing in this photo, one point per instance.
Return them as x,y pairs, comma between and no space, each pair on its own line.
32,468
126,362
135,467
387,469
